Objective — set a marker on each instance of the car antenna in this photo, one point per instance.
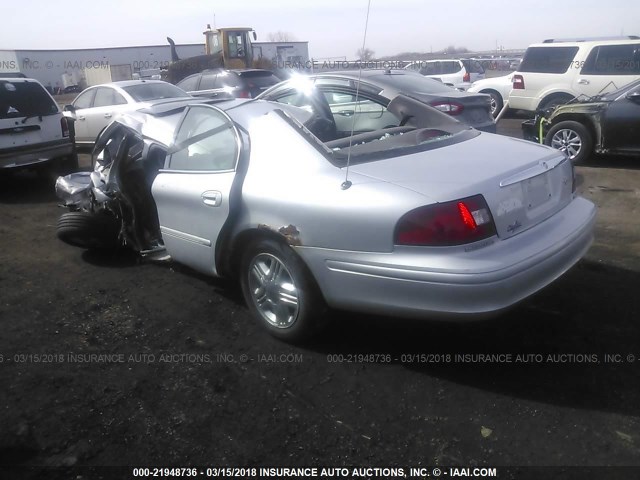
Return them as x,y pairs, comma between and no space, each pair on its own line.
347,183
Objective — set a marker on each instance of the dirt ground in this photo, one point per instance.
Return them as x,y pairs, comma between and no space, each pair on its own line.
107,360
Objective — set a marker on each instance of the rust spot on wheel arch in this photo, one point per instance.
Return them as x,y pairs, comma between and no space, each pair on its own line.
290,233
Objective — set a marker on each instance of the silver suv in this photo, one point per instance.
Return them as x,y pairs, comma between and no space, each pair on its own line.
556,71
33,131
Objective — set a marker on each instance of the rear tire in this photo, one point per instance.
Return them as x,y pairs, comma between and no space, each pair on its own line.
573,138
496,102
280,291
555,101
88,230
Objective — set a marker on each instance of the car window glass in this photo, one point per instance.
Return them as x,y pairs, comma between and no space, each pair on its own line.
206,141
475,67
613,60
297,99
547,59
430,68
145,91
228,79
84,99
370,115
104,97
20,99
189,84
451,67
208,82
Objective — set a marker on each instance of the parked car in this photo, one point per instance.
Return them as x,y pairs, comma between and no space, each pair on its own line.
333,96
556,71
431,218
497,88
604,124
452,72
33,131
219,83
97,106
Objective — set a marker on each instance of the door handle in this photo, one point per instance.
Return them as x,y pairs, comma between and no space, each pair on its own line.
80,118
107,115
583,81
346,113
212,198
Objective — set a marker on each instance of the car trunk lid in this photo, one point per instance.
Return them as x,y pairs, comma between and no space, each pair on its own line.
523,183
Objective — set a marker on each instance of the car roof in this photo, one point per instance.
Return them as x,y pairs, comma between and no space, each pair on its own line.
128,83
158,122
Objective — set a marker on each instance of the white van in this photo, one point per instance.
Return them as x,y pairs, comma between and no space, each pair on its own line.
556,71
33,131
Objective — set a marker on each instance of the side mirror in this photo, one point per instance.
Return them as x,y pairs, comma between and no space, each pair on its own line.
69,108
634,97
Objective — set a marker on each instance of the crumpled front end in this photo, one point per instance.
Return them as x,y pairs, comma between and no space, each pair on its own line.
74,190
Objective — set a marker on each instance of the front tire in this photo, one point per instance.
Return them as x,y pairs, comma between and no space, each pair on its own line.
280,291
571,137
88,230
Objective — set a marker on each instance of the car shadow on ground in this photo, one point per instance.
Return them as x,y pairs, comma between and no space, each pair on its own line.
614,162
27,187
577,341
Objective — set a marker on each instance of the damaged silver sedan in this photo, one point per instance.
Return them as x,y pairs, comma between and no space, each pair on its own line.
423,217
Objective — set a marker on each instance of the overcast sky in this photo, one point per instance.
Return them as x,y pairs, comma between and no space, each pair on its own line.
333,28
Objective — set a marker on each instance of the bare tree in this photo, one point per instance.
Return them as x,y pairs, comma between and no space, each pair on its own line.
365,54
281,36
451,49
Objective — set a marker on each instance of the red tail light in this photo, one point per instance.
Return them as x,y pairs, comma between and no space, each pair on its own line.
244,94
467,77
518,82
452,108
444,224
64,125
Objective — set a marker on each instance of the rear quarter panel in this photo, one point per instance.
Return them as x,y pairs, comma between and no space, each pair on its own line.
290,182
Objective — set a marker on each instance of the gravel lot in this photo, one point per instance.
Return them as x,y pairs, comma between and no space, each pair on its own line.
106,360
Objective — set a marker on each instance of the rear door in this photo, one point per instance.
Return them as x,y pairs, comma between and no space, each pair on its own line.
81,104
107,104
192,191
608,68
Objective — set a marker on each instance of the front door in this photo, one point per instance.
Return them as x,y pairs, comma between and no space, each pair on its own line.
192,191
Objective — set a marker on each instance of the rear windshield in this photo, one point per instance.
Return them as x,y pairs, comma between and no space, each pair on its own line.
24,99
259,78
547,59
154,91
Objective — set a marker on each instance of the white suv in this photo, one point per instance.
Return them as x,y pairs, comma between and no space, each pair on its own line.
33,131
456,73
556,71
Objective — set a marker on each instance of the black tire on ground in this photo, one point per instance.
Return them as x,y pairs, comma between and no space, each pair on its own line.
496,102
88,230
572,138
554,101
280,291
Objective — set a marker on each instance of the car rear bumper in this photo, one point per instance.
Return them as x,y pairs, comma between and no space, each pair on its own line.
41,153
448,282
517,102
